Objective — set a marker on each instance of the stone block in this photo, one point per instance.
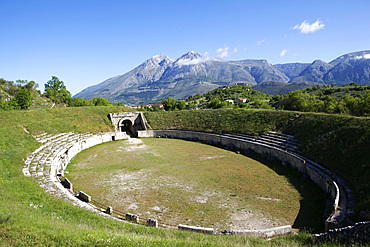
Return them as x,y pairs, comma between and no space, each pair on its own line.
109,210
151,222
84,197
195,229
132,217
67,184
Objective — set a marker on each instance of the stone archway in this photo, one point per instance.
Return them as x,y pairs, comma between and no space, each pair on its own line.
129,122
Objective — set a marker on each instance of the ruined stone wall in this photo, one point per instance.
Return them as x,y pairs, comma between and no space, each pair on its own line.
357,234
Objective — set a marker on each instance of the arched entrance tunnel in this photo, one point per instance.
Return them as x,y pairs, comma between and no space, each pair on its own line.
129,122
127,127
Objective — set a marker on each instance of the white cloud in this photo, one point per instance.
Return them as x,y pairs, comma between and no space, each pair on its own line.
365,56
306,27
283,52
223,52
260,42
202,59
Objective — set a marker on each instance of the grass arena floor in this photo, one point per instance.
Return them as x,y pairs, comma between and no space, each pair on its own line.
182,182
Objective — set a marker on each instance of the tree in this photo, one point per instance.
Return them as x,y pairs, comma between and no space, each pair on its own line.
30,85
298,101
57,91
169,104
24,98
100,101
77,102
181,105
257,103
216,103
190,105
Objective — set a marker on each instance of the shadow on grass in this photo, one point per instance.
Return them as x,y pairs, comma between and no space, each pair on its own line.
313,200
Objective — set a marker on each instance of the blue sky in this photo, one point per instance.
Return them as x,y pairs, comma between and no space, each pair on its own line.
86,42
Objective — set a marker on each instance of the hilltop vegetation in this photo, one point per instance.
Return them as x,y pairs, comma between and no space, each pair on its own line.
347,100
247,97
18,95
351,99
23,95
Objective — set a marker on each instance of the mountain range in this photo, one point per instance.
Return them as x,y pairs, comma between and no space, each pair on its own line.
162,77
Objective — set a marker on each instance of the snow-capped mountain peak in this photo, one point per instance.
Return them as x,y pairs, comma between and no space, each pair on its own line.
192,58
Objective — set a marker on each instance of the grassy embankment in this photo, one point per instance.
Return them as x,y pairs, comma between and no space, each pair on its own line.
341,143
249,121
31,217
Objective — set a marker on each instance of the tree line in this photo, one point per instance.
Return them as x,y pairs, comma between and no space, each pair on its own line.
301,100
326,99
19,95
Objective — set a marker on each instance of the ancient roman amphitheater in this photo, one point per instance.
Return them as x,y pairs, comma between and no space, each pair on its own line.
48,162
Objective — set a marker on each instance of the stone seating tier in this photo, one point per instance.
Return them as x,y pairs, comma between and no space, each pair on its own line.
268,142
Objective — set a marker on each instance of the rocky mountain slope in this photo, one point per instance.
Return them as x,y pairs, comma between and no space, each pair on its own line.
161,77
291,70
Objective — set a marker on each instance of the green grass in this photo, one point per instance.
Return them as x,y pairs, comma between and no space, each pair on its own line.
250,121
57,120
183,182
31,217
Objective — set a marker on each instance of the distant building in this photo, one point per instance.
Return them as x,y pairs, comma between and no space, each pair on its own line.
230,101
243,100
203,104
241,83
